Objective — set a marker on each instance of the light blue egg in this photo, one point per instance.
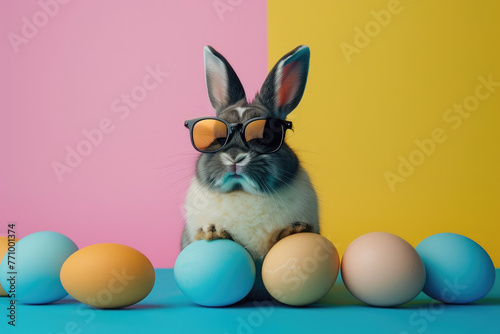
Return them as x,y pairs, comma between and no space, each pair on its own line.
215,273
37,264
458,270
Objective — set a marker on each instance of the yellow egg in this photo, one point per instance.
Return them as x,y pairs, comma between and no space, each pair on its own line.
4,246
108,275
300,269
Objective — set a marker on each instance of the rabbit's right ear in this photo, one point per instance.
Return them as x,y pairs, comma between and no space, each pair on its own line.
224,86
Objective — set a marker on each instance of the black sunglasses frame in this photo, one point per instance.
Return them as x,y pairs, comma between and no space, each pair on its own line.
234,127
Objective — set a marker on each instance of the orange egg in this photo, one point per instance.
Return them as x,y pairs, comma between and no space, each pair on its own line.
108,275
4,246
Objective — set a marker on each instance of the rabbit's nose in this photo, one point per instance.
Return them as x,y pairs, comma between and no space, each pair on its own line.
241,157
230,159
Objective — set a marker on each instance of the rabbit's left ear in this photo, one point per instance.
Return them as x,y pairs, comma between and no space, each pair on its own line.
285,84
224,86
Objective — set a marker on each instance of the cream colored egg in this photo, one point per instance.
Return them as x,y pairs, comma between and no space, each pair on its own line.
108,275
381,269
300,269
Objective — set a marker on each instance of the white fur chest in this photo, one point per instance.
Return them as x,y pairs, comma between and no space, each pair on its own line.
249,218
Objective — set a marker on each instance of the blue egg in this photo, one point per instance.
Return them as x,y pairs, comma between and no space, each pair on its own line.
215,273
37,261
458,270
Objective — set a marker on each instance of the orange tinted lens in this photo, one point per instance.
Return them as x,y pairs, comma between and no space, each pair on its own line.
264,135
255,130
209,134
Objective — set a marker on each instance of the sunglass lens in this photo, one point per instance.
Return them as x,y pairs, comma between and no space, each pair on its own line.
209,135
264,135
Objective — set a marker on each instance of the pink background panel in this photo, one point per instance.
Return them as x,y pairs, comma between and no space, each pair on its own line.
73,73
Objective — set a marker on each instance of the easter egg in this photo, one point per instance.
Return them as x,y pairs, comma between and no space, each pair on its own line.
381,269
4,246
37,262
300,269
108,275
459,270
214,273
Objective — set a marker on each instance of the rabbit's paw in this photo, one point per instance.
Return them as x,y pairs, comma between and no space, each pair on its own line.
211,232
293,228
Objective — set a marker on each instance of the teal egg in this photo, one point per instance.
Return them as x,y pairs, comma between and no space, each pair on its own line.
37,261
215,273
458,270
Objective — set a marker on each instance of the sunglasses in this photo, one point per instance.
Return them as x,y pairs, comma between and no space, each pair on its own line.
263,134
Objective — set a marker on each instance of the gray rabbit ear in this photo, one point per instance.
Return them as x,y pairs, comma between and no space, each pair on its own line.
284,86
224,86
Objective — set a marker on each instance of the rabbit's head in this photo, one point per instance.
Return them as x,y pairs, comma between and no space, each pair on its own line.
248,152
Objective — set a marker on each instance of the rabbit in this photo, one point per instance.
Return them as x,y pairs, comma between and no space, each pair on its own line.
271,196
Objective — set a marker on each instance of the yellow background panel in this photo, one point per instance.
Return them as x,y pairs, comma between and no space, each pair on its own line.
371,95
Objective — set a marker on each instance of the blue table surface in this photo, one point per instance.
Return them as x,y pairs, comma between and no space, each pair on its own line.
167,310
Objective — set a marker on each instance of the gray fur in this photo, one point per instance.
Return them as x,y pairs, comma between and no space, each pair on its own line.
268,171
262,173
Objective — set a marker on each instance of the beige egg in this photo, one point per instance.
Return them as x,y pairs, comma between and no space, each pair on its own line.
381,269
300,269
